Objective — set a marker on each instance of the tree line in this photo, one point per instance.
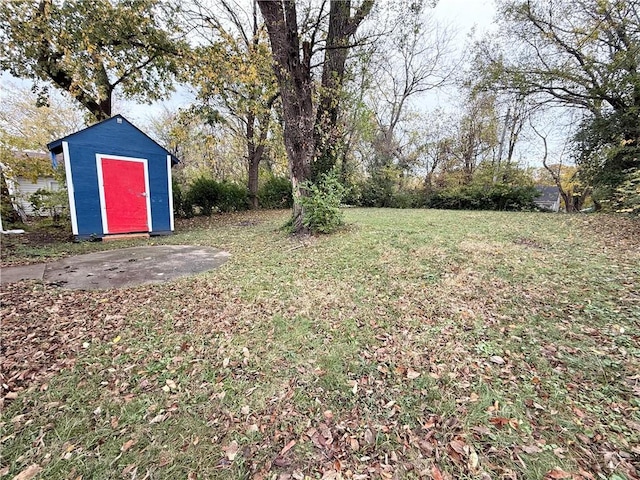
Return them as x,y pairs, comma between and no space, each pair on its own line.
317,88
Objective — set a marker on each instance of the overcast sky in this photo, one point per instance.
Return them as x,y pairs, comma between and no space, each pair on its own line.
464,16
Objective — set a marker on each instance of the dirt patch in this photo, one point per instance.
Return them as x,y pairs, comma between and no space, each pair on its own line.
38,236
528,242
35,237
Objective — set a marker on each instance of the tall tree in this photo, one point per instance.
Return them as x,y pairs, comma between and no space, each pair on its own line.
231,70
579,54
414,58
572,191
342,28
292,63
294,78
25,125
25,130
91,48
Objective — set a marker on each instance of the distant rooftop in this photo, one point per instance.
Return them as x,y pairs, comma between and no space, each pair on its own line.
547,193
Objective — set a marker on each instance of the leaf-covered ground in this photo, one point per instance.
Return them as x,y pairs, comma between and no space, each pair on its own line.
412,344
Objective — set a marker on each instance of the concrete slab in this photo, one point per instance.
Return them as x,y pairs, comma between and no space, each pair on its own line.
124,267
22,272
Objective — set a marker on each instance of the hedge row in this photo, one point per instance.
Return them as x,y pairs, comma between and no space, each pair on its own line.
205,196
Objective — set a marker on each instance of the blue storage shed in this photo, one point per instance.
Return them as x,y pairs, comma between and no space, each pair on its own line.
118,180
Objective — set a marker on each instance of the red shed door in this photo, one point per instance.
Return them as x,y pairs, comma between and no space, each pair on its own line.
124,194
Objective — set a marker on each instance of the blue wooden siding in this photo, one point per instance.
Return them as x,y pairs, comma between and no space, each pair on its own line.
115,136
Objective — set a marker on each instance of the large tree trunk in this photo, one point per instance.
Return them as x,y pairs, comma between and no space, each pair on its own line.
294,79
254,164
253,161
342,26
50,61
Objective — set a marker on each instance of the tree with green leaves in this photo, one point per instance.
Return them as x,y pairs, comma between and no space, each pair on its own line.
292,61
342,28
25,130
579,54
92,48
233,76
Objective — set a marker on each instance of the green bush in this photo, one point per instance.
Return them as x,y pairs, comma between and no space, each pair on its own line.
276,193
410,198
322,205
206,195
475,197
51,203
232,197
203,193
378,191
626,198
178,199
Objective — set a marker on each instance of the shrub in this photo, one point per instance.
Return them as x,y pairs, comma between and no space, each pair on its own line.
495,197
207,195
626,198
322,205
51,203
178,198
232,197
203,193
276,193
378,191
410,198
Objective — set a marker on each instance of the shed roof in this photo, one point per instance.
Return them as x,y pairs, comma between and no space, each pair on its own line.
27,163
55,147
547,193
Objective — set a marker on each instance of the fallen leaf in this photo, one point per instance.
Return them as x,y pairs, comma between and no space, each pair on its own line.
557,473
579,413
458,446
530,449
129,468
128,444
499,421
282,462
369,437
497,359
473,460
231,450
287,447
436,473
171,384
158,418
354,444
412,374
29,472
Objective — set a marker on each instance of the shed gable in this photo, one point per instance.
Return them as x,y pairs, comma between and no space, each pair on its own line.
91,193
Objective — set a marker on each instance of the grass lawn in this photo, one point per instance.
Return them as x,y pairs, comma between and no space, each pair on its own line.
411,344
